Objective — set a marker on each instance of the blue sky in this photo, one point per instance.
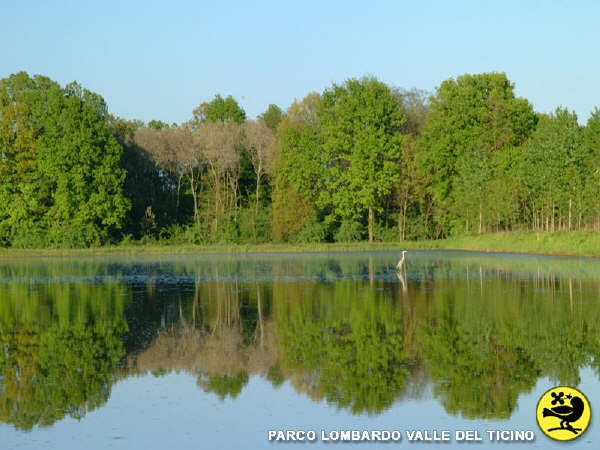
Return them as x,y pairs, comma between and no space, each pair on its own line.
159,60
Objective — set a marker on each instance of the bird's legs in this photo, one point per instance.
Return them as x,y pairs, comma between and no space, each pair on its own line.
567,427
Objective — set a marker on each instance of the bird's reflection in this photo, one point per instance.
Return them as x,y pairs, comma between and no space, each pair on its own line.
402,281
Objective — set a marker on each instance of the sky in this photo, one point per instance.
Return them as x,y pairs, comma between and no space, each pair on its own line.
159,60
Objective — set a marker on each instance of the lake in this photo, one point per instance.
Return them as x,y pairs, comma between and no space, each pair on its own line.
213,351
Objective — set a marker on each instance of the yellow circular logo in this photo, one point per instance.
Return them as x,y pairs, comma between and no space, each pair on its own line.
563,413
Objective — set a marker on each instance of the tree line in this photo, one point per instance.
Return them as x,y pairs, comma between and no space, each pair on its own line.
361,160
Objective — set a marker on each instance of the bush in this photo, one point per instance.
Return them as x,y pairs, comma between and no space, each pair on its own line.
227,233
290,214
34,237
313,231
384,234
349,231
181,234
263,225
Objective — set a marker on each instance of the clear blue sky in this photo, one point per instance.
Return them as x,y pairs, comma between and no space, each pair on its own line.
159,60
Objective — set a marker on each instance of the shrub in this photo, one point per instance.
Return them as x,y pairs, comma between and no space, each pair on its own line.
384,234
349,231
313,231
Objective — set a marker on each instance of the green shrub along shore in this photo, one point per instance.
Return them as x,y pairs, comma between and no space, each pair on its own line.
574,243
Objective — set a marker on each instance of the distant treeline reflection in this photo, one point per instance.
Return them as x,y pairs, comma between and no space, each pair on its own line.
345,330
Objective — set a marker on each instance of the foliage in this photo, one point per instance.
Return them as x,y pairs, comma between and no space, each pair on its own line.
219,110
349,231
225,385
60,353
472,158
360,126
272,117
290,214
469,119
313,231
60,169
384,234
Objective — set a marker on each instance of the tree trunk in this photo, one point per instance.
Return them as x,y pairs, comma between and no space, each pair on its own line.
404,220
256,205
480,218
217,189
400,223
195,197
569,227
371,220
178,191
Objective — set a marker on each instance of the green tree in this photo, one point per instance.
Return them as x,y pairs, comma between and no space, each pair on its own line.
474,113
552,186
473,178
272,117
360,125
219,110
75,168
591,171
19,178
296,171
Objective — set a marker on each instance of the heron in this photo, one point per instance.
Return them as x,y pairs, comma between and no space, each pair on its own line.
401,262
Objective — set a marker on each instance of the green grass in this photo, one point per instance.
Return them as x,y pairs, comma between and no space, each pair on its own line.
576,243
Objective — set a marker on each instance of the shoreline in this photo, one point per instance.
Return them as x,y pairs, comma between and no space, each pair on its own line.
562,243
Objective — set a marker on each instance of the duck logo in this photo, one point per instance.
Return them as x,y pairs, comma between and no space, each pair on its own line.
563,413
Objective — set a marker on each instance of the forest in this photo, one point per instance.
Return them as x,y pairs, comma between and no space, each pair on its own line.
360,161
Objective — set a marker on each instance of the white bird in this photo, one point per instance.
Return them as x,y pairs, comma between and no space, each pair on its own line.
401,262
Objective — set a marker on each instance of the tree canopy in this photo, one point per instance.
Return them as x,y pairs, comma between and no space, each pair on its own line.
360,160
61,164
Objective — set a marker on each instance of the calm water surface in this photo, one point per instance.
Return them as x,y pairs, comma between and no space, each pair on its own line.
194,352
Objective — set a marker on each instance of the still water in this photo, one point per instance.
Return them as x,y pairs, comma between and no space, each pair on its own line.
212,351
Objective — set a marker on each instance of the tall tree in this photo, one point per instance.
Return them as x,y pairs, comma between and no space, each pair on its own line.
258,139
177,151
77,160
272,117
149,187
552,187
218,142
474,113
295,169
360,123
591,168
19,178
219,110
414,103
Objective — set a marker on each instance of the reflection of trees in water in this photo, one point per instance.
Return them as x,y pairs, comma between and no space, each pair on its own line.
220,334
479,334
343,342
491,338
59,350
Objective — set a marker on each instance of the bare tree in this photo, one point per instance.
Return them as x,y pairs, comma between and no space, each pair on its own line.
218,143
175,150
258,139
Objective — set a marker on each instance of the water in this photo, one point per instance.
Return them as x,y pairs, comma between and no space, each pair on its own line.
214,351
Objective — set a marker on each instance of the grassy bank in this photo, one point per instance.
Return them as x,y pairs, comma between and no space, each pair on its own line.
575,243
